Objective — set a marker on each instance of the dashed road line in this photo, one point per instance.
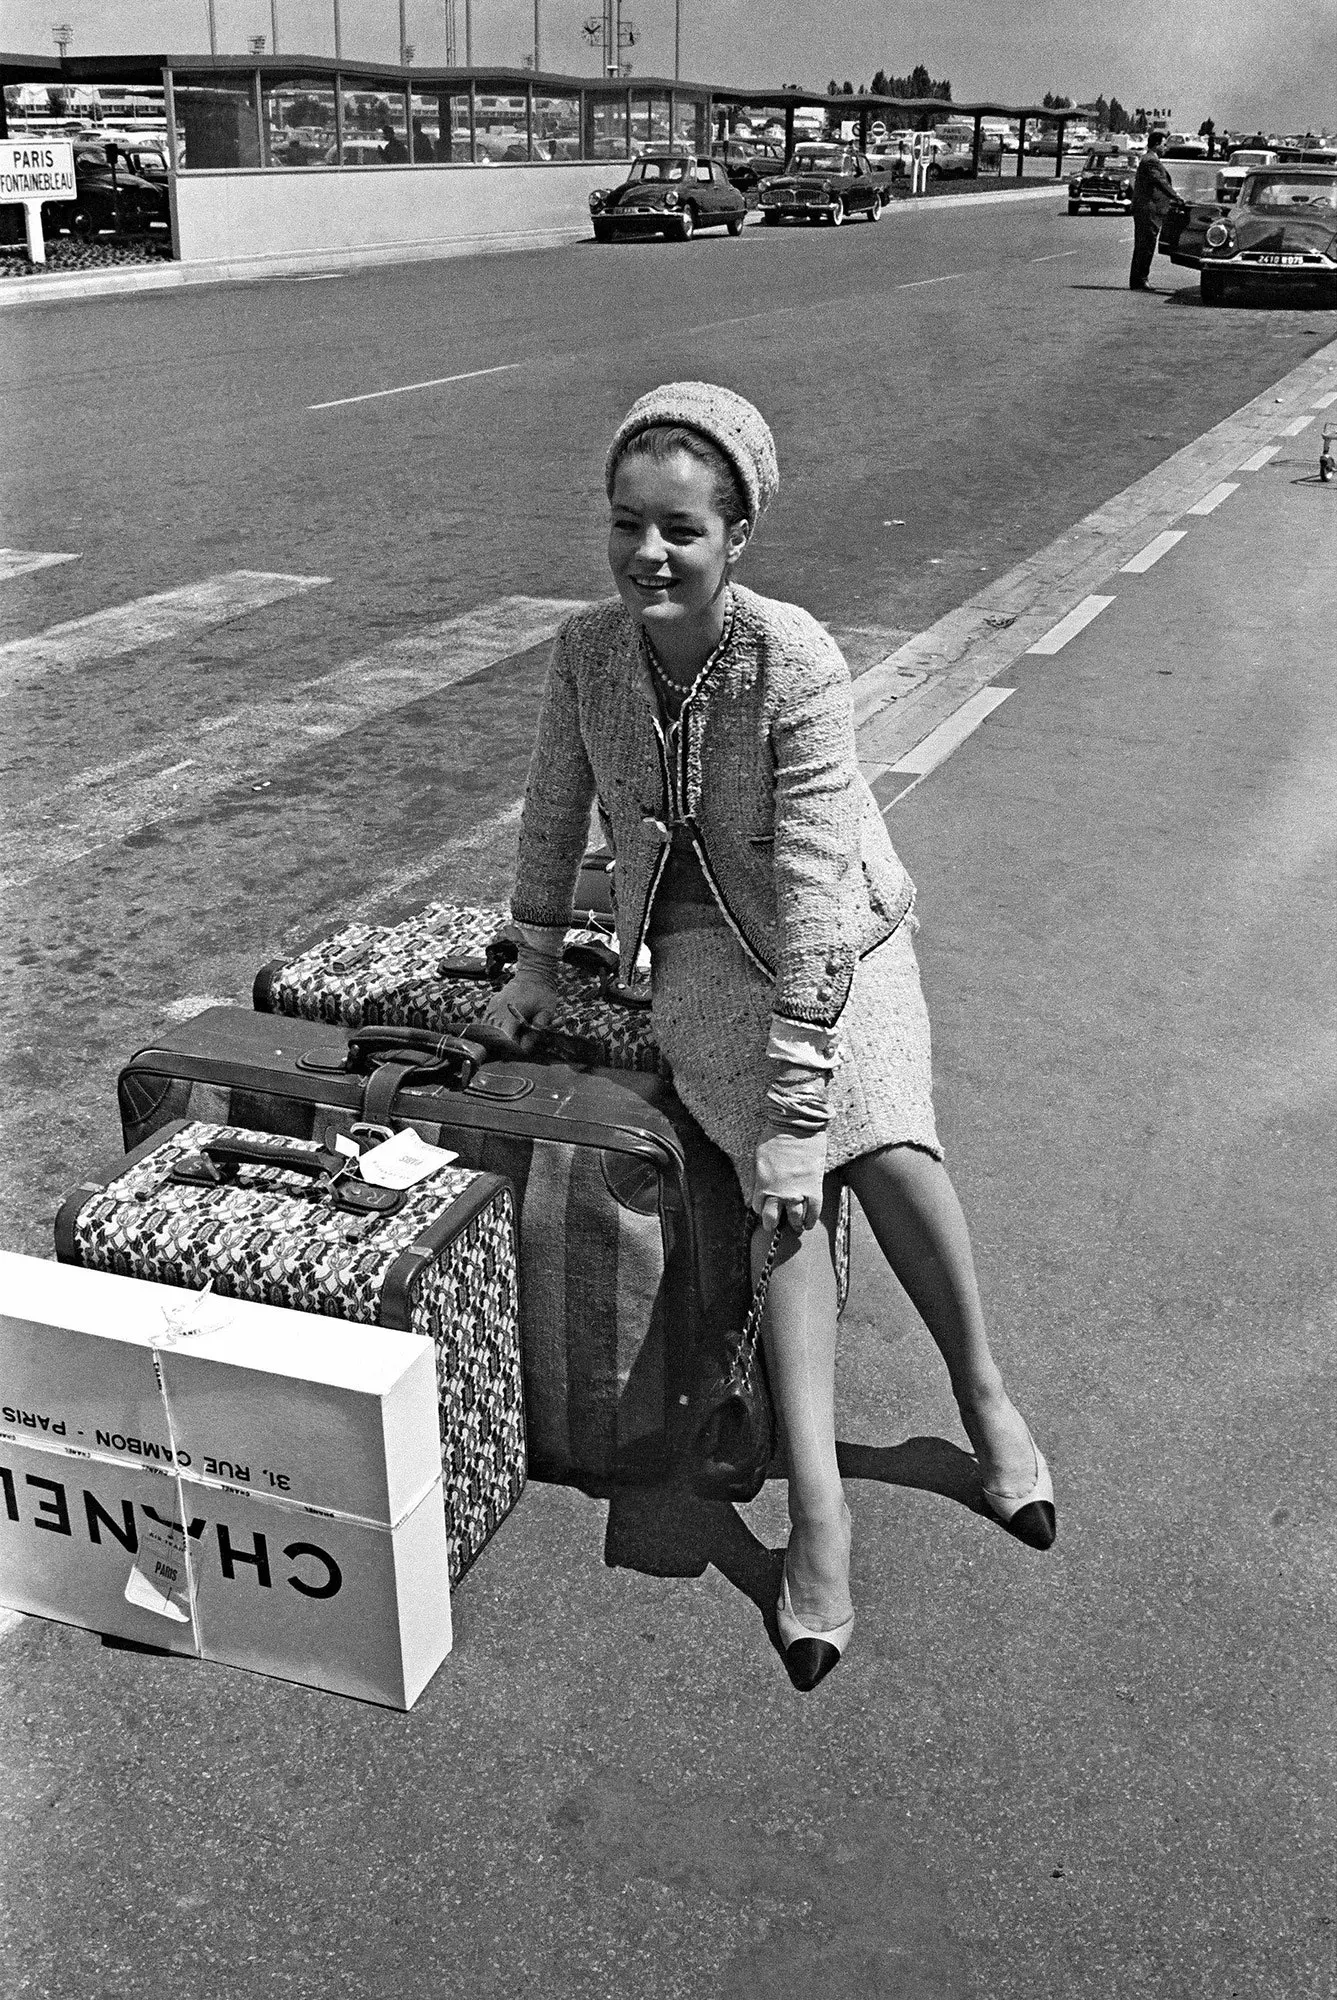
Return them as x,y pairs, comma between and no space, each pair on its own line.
916,284
407,388
1326,402
179,772
22,562
1052,258
1077,620
1211,501
1293,429
1160,545
145,621
1259,458
939,744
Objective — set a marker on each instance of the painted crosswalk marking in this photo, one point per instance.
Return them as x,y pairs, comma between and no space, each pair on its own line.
180,771
22,562
1057,637
1158,546
1297,424
145,621
939,744
1211,501
1326,402
1259,458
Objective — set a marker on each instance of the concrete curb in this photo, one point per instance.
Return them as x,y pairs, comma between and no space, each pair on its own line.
163,277
902,698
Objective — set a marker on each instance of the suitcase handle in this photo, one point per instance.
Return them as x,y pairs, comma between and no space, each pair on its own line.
422,1049
217,1162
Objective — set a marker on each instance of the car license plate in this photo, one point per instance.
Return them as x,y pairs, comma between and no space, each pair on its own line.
1275,257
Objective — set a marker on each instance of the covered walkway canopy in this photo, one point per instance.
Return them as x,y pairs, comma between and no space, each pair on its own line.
296,111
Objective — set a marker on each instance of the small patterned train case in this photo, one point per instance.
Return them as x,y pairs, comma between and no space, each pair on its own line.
438,970
286,1223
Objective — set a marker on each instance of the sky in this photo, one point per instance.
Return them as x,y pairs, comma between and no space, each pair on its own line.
1268,63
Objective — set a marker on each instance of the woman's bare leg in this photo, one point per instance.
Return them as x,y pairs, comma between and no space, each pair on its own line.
799,1332
916,1217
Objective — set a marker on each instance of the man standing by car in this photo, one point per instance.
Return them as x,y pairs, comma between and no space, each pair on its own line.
1153,191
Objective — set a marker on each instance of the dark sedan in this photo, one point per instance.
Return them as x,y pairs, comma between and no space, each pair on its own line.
750,163
1197,201
669,194
825,183
110,200
1281,231
1104,180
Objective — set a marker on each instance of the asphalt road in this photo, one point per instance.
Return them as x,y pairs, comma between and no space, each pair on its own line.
1101,1771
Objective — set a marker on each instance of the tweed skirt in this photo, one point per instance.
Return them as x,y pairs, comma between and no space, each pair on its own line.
711,1010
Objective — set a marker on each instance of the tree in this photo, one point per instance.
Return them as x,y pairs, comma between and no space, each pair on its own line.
881,84
849,89
1118,117
917,84
1102,113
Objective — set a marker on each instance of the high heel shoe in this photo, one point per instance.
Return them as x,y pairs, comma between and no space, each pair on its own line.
1031,1517
809,1655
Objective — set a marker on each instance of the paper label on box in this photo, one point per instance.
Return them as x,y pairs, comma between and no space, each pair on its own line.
158,1581
403,1161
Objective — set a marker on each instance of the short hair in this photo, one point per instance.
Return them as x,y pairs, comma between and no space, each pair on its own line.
661,441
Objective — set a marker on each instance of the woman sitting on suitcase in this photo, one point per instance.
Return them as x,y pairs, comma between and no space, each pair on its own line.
715,728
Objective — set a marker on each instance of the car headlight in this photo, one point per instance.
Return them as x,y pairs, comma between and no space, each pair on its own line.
826,187
597,199
1217,235
671,199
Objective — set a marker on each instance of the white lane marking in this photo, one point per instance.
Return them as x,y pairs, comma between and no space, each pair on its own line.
939,744
1057,637
1052,258
22,562
319,277
915,283
407,388
1326,402
1159,545
179,773
439,869
1259,458
9,1620
1293,430
1211,501
145,621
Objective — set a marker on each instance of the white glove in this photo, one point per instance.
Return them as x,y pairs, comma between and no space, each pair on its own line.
529,997
787,1178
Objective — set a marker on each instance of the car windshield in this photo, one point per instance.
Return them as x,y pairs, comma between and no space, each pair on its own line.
1100,163
659,170
1193,180
1281,191
816,160
1254,159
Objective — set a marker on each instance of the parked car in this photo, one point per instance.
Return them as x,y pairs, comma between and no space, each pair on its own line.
750,162
1104,180
1230,179
1281,231
110,200
1197,202
669,194
825,183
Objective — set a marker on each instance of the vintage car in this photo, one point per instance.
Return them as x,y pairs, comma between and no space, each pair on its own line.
1281,231
669,194
825,183
750,162
1104,180
1197,201
1231,177
110,200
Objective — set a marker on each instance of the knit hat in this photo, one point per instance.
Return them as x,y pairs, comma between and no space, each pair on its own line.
728,420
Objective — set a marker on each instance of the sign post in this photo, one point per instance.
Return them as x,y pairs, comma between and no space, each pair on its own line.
33,172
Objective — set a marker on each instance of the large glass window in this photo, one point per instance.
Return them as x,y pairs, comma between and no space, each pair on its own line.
556,128
375,128
606,127
299,125
217,123
649,120
454,143
425,139
502,126
689,124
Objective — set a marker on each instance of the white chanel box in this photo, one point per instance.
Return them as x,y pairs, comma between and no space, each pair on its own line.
304,1451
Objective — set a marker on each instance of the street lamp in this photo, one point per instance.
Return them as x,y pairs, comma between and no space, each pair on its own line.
62,34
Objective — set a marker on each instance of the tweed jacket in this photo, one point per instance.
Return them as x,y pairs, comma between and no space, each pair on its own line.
761,768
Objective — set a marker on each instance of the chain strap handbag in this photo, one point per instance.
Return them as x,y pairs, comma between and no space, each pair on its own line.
727,1438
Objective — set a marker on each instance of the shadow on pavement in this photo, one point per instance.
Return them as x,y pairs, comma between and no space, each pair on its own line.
926,1464
668,1531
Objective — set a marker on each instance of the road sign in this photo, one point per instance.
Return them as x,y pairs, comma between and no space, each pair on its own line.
34,171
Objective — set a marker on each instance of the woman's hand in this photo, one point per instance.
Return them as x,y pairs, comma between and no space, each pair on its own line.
529,998
787,1178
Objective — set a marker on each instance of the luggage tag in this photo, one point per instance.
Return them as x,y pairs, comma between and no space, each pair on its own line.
158,1582
403,1160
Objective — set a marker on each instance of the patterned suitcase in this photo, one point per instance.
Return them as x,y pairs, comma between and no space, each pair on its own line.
633,1234
439,1260
438,970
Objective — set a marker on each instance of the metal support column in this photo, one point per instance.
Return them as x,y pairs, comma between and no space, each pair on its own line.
537,61
338,35
1021,148
469,63
979,144
1058,150
274,26
339,116
403,33
529,113
213,29
677,40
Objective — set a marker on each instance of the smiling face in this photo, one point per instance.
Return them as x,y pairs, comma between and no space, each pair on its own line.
671,549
